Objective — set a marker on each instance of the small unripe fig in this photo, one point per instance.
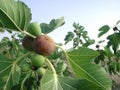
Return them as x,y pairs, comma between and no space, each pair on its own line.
115,28
38,60
75,31
25,67
97,46
44,45
41,71
34,29
27,43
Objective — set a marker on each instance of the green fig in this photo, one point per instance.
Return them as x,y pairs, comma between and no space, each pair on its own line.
41,71
34,29
38,60
25,67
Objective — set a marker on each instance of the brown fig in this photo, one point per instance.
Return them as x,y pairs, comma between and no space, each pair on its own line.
27,43
44,45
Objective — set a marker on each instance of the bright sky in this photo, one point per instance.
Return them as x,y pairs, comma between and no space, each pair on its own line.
92,14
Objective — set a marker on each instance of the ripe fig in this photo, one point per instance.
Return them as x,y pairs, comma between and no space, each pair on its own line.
34,29
38,60
44,45
41,71
27,43
25,67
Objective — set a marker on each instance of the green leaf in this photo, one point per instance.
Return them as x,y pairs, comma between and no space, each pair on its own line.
81,61
75,42
2,30
114,41
69,37
117,54
51,81
5,66
103,30
54,23
9,73
117,22
77,84
101,41
101,56
16,73
14,15
89,42
108,52
117,66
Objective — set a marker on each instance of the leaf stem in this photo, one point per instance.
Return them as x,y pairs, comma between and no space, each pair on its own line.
50,66
22,84
28,34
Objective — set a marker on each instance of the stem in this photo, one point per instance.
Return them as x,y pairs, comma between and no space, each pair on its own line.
62,50
50,66
67,57
22,84
28,34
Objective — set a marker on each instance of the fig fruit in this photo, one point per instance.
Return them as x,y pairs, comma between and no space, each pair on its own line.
34,29
44,45
38,60
27,43
26,67
41,71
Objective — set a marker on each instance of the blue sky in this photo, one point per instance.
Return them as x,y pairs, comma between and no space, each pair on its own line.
92,14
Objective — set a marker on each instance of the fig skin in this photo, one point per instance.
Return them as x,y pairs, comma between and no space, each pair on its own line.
41,71
44,45
38,60
27,43
26,67
34,29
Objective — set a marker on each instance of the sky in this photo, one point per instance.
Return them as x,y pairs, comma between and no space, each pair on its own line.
92,14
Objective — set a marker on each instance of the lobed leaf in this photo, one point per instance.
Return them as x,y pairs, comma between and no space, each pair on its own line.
51,81
114,41
117,22
9,73
69,37
103,30
68,83
14,15
54,23
81,61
